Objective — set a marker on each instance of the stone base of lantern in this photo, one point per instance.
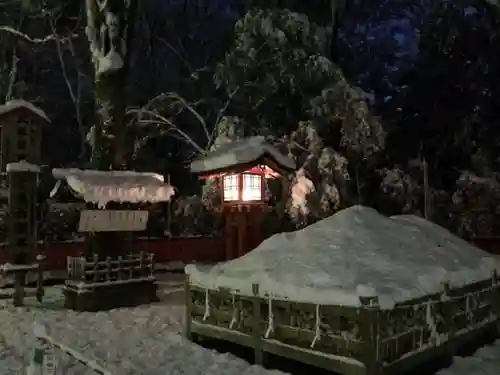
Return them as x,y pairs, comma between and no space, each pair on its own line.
110,295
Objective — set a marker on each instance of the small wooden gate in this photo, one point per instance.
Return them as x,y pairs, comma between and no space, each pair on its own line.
95,284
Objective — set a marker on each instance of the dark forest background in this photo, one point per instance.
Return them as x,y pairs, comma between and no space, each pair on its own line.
368,100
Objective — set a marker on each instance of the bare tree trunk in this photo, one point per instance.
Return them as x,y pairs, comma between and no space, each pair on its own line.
337,8
11,67
109,31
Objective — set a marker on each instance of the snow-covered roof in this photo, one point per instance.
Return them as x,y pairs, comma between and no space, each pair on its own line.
22,166
102,187
356,252
15,104
241,152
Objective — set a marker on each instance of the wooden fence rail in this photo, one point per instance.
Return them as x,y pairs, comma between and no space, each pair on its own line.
43,361
81,269
362,340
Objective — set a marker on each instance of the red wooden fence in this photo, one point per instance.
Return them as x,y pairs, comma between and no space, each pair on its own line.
489,244
203,249
166,250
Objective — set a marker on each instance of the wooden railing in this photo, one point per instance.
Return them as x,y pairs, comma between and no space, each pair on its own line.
379,340
19,272
94,270
436,324
43,361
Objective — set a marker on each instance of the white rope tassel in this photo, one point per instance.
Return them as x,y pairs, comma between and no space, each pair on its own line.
207,306
233,319
317,333
270,323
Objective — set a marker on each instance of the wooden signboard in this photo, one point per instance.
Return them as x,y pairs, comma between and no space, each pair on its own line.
112,220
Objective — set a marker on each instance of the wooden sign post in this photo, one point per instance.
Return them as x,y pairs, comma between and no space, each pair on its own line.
113,221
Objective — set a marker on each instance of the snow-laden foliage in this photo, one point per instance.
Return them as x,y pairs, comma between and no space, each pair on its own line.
475,205
322,173
190,216
429,69
289,88
280,62
400,189
302,187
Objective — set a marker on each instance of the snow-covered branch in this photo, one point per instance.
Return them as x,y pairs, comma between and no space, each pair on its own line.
27,38
172,99
74,92
159,120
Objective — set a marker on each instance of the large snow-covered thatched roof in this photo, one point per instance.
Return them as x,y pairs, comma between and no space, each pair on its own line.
243,153
354,253
15,104
102,187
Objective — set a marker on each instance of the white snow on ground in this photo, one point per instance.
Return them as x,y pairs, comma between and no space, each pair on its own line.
144,340
486,361
356,252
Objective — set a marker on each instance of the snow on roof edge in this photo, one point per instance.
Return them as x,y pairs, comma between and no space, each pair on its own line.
240,152
22,166
15,104
63,173
103,187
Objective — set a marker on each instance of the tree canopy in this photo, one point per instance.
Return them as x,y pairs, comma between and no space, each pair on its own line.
368,97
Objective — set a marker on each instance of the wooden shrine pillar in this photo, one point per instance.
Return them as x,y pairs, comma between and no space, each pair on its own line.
243,229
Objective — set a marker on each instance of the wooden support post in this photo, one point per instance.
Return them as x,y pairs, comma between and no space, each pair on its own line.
40,292
142,272
189,308
370,321
95,260
228,234
19,281
449,310
119,267
256,326
108,268
132,265
495,297
69,267
151,264
82,261
258,231
242,231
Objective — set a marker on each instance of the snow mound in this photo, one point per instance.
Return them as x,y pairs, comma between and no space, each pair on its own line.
356,252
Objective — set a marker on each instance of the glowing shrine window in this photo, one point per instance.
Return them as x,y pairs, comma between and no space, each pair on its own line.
231,188
252,187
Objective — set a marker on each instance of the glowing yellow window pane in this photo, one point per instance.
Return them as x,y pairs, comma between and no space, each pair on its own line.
231,188
252,187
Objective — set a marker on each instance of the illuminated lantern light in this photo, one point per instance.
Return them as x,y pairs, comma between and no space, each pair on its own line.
231,188
252,187
247,186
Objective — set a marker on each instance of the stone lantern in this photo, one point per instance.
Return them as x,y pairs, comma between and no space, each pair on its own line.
21,125
241,169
